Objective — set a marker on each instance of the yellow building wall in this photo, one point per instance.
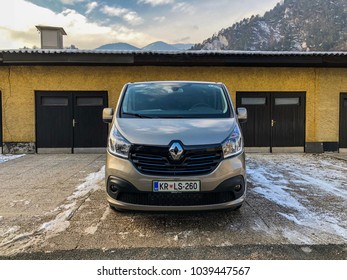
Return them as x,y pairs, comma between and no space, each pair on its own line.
18,84
331,83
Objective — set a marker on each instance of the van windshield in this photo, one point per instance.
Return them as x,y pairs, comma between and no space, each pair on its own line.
175,100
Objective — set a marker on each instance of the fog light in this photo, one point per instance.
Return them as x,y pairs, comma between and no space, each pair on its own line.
113,188
238,188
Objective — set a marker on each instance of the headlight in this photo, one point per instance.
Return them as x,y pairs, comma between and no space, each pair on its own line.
117,144
234,144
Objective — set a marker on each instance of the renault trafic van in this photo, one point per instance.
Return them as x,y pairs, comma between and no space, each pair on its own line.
175,146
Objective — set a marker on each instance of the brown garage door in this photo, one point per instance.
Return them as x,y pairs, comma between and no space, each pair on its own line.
0,124
276,120
70,121
343,121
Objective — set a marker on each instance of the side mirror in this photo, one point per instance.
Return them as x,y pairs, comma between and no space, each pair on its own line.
107,115
242,114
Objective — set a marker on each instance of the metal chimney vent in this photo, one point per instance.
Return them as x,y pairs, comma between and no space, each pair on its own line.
51,37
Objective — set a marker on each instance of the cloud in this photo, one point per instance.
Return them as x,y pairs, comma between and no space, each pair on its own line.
81,32
160,19
114,11
183,7
14,39
133,18
89,30
129,16
184,39
71,2
90,7
156,2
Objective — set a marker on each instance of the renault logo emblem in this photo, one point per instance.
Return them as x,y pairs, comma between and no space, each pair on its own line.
176,151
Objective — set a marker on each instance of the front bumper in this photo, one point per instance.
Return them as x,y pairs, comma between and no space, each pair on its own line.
133,190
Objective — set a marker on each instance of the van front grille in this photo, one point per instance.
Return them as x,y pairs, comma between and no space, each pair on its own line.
196,160
175,199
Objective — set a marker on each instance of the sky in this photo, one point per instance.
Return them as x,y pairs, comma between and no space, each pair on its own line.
92,23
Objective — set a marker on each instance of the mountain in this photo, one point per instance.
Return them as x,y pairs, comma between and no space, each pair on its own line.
118,47
156,46
183,47
293,25
159,46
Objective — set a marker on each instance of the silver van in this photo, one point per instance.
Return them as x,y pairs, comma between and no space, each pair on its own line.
175,146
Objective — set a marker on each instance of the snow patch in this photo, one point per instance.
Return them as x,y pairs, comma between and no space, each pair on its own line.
287,13
225,244
306,249
61,221
22,202
273,188
296,237
277,35
56,225
224,41
4,158
106,213
265,27
322,222
91,229
290,181
123,235
4,232
90,184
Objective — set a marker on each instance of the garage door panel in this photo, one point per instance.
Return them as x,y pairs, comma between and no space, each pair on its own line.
343,121
256,130
53,120
288,120
275,119
89,130
68,120
0,124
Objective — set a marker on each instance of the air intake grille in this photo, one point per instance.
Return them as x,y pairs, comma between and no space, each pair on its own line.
176,199
153,160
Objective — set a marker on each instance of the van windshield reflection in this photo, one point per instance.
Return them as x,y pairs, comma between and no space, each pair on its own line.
175,100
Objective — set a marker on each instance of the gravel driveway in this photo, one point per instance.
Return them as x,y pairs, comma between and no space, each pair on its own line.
53,206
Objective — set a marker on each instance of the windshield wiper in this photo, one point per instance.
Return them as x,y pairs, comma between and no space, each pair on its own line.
138,115
172,117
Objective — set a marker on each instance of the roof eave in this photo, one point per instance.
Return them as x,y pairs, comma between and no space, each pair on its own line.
186,58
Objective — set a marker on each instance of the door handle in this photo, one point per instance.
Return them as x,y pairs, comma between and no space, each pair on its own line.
273,122
74,123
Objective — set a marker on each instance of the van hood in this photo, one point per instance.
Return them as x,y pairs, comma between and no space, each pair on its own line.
163,131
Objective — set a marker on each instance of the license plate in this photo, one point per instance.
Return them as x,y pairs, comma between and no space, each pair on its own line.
176,186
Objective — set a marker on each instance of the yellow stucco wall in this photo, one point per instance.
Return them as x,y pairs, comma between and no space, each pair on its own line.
331,83
322,87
